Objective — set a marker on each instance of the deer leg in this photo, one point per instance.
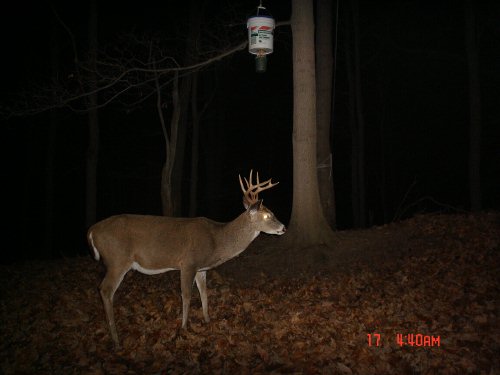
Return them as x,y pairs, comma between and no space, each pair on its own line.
201,283
108,287
187,279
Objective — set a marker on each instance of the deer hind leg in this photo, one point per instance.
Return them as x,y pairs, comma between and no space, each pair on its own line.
108,287
187,279
201,283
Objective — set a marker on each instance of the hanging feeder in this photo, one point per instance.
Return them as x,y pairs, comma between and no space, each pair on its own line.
260,37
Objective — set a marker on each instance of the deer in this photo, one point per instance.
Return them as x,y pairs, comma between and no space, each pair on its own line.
157,244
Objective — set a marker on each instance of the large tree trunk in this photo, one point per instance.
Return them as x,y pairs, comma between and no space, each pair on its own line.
324,74
359,117
308,226
352,119
474,106
356,119
93,124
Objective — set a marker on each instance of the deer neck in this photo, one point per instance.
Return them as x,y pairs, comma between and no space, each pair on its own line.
236,236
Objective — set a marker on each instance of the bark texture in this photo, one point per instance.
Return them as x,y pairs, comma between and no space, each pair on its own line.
308,226
324,83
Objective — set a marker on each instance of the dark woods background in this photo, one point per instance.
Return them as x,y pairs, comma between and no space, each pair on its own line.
415,95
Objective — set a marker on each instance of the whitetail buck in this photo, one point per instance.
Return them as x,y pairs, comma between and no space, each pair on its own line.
156,244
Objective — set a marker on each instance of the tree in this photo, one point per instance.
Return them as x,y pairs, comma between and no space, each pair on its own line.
58,98
51,149
128,72
308,226
196,115
324,83
474,107
129,75
93,124
185,96
356,118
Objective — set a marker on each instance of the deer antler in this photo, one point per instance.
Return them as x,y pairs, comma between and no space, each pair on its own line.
251,192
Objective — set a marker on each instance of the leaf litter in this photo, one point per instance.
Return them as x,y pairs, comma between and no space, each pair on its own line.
431,281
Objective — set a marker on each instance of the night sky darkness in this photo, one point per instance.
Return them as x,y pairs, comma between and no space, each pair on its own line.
416,108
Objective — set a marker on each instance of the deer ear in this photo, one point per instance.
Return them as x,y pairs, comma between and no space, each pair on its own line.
254,208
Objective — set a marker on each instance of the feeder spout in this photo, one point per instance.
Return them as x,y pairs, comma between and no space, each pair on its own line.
260,63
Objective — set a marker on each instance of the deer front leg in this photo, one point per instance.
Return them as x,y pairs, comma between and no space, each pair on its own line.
107,289
187,280
201,283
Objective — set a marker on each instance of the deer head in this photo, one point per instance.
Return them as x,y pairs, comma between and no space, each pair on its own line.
261,217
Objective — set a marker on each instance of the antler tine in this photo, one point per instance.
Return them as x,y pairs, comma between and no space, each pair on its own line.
251,191
241,184
246,182
250,178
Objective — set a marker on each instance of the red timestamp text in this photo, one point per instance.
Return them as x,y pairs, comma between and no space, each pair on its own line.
409,339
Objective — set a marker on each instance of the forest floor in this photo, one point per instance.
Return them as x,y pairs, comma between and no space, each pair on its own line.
419,296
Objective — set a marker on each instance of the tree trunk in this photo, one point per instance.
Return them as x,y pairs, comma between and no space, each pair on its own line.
93,123
195,148
352,118
356,119
324,74
178,168
308,226
359,117
195,14
51,152
170,145
474,106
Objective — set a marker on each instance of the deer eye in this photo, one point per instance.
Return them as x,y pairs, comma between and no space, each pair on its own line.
266,216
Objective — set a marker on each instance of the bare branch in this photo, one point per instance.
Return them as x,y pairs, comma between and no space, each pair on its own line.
120,75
